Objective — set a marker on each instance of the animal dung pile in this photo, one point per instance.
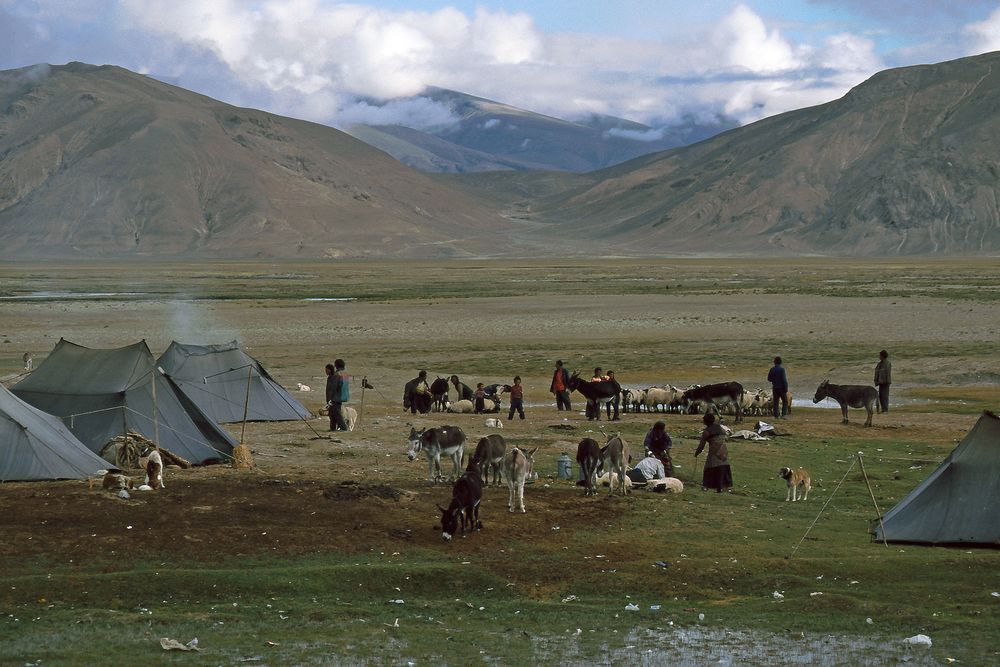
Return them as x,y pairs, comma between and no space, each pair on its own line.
242,457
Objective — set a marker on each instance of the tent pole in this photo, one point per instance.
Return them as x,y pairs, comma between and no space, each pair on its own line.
874,502
156,422
361,411
246,404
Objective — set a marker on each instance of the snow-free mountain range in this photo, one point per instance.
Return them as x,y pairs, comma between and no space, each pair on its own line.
98,161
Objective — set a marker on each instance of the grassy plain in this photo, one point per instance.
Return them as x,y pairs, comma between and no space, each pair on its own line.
303,560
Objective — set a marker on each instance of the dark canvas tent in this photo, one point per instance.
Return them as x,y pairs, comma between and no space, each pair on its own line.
35,445
960,501
100,394
215,377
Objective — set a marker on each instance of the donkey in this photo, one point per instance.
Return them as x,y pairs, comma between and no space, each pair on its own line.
588,455
615,456
849,395
517,468
598,394
448,440
716,395
489,456
466,495
439,395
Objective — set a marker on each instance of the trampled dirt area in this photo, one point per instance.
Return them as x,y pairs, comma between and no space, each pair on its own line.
312,494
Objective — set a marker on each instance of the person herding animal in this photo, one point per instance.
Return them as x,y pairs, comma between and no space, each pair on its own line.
779,389
338,392
883,378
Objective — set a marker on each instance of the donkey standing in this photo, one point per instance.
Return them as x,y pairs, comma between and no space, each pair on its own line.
849,395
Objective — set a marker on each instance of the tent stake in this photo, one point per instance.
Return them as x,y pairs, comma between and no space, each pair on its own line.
872,494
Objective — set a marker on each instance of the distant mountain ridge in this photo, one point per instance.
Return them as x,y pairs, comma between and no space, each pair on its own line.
101,161
489,136
906,163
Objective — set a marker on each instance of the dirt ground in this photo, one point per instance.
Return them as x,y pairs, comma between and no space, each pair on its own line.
358,492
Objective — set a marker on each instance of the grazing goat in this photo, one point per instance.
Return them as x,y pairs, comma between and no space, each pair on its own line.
466,495
489,456
615,457
588,456
518,467
849,395
448,440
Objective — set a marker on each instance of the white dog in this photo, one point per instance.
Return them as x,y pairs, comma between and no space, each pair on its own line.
350,417
494,422
304,387
154,471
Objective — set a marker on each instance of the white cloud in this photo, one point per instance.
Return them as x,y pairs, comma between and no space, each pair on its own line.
316,58
636,135
984,35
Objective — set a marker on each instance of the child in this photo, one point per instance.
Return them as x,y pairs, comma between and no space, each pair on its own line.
516,399
480,399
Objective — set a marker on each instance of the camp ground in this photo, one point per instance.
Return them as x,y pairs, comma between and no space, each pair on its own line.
227,384
101,394
329,549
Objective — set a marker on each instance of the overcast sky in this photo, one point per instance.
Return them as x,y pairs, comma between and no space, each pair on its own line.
646,60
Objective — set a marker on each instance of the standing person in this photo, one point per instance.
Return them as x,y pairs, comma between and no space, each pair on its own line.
659,444
883,378
616,404
560,387
717,475
28,361
592,406
417,394
337,393
516,399
779,389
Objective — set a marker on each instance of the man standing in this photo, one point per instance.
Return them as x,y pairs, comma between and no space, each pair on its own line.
779,388
338,392
883,378
560,387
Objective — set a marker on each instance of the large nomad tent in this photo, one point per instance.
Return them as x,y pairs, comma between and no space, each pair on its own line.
960,501
215,378
101,394
35,445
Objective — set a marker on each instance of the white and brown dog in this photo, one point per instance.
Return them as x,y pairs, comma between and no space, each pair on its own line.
797,480
154,470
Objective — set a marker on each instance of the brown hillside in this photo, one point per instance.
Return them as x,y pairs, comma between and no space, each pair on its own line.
906,163
99,161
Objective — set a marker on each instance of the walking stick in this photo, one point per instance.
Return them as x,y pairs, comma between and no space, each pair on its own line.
361,410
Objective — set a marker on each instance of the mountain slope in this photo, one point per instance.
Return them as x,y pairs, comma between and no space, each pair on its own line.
487,136
906,163
98,161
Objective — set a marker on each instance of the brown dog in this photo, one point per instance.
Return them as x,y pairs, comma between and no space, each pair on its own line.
796,480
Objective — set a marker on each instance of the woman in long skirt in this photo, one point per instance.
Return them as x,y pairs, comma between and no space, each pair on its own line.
718,474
